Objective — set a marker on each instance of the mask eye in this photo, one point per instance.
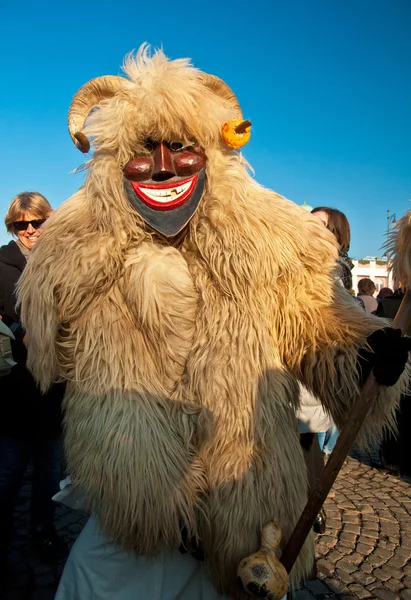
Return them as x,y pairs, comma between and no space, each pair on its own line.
149,145
176,146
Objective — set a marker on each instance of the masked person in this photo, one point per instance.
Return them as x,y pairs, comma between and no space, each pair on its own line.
30,422
182,302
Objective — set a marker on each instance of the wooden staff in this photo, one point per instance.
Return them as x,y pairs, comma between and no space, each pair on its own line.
344,442
261,574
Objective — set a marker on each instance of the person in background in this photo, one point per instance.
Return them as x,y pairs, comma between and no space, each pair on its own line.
318,433
338,224
327,440
385,291
30,422
366,289
312,419
358,300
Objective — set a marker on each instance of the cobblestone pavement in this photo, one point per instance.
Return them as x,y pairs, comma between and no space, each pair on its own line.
366,549
364,553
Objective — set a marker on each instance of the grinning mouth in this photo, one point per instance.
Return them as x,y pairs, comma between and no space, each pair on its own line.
165,196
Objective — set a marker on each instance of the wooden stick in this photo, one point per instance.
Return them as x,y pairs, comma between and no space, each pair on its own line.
344,442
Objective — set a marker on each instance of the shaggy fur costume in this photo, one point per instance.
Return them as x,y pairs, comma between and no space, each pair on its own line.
182,363
398,251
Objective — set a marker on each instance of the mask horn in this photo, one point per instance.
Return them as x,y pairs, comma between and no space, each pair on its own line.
220,88
235,133
87,97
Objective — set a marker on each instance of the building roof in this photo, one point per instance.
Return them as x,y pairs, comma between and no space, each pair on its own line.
306,206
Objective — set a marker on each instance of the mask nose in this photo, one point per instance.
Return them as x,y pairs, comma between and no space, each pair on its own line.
163,164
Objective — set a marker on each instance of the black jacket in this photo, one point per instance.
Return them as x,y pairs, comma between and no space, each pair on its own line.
12,263
388,306
24,411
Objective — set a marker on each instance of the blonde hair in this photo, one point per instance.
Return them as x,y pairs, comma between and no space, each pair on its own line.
27,202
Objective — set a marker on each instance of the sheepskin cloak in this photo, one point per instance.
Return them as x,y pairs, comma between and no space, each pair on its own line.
182,363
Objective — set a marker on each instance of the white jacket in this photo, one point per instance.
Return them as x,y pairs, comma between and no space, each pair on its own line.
311,415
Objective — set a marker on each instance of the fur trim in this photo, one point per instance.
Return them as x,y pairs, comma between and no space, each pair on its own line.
399,250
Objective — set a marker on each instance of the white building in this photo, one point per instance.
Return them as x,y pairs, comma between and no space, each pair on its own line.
374,268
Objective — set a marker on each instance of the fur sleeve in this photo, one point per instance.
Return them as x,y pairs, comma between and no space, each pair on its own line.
329,366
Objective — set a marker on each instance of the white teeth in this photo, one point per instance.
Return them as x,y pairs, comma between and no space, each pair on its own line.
166,195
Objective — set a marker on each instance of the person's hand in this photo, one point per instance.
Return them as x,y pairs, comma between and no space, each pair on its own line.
388,355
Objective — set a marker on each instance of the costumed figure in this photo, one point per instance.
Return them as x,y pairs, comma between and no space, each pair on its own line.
182,302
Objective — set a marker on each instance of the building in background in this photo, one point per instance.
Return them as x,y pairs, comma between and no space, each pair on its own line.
306,206
374,268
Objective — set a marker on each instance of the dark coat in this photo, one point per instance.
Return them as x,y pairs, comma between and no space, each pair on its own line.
388,306
24,411
396,451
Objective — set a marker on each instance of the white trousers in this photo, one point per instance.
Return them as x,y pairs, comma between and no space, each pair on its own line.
98,571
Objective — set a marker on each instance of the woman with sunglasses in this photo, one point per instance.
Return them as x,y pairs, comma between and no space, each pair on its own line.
30,422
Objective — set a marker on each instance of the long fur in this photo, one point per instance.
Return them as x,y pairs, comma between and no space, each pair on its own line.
182,365
399,251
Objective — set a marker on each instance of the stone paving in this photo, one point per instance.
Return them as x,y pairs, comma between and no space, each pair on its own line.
366,549
364,553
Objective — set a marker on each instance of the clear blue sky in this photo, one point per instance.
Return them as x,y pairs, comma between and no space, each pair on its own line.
326,83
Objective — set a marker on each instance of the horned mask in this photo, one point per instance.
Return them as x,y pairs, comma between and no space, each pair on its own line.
164,177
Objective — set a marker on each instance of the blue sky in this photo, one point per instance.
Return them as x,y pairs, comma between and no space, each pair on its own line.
326,83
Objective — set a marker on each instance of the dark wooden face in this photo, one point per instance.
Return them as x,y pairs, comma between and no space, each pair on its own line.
165,161
166,185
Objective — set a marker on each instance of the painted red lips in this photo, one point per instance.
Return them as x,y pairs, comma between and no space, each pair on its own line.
165,196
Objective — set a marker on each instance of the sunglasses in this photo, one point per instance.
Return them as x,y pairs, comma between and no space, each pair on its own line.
22,225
